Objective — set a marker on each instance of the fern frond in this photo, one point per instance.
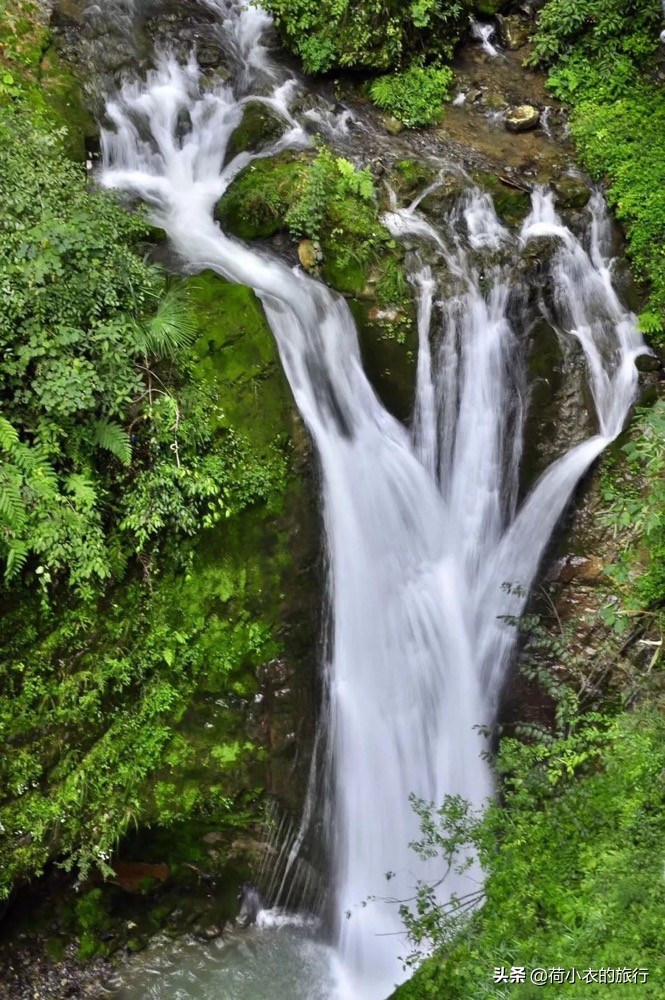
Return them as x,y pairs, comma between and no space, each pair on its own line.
112,437
8,435
12,508
17,555
171,329
82,490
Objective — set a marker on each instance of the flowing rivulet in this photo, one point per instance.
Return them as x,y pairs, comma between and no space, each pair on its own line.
423,525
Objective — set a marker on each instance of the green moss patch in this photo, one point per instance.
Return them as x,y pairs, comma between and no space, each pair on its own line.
257,202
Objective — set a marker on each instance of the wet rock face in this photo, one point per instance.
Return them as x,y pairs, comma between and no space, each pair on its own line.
579,569
522,118
514,31
250,904
310,255
260,125
571,192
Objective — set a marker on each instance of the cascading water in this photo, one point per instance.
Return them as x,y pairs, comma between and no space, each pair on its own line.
422,524
484,34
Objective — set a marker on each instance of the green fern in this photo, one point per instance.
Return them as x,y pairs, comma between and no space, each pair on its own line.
171,329
12,507
415,95
17,555
82,490
650,323
114,438
8,435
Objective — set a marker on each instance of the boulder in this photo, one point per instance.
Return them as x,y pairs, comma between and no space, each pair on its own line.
310,254
443,197
571,192
522,118
132,876
260,125
392,125
578,568
514,31
214,837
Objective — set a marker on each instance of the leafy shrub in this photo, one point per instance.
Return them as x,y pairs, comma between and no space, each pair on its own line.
105,444
636,509
573,865
327,183
376,34
601,54
613,32
415,96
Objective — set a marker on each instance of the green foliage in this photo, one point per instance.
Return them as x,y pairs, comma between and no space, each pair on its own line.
93,703
375,34
23,40
327,183
624,141
54,518
326,199
573,863
636,512
601,53
415,96
617,36
106,442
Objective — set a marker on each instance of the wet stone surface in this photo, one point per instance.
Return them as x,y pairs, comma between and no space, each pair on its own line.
30,973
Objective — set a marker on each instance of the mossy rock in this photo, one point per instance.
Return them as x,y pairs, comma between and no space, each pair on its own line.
571,192
409,177
512,204
442,198
256,203
345,274
495,101
389,358
64,100
237,353
260,125
489,7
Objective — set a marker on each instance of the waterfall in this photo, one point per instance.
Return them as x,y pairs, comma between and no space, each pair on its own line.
484,33
422,523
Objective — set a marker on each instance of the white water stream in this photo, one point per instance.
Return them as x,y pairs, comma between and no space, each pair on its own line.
422,524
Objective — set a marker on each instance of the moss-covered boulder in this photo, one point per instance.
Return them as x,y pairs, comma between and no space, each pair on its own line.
512,204
257,202
260,125
571,192
515,31
489,7
325,199
409,177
